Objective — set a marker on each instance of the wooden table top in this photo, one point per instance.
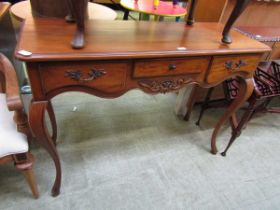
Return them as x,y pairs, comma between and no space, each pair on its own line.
48,39
146,6
22,10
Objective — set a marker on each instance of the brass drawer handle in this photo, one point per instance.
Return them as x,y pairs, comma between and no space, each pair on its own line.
231,65
77,75
172,67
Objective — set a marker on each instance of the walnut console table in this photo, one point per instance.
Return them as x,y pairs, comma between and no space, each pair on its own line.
120,56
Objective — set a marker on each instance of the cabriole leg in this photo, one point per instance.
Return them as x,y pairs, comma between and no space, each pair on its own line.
39,129
246,87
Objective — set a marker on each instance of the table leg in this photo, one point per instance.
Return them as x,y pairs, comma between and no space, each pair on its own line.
39,129
239,7
53,121
191,102
190,20
246,87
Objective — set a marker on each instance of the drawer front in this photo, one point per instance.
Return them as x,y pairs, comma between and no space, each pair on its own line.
224,66
107,77
169,67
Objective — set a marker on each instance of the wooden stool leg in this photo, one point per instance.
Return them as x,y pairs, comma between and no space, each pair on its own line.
30,178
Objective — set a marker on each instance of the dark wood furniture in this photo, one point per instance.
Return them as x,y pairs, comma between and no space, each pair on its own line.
154,57
266,87
77,12
239,7
259,13
267,35
16,148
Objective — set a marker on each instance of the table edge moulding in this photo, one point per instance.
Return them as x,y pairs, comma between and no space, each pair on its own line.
156,57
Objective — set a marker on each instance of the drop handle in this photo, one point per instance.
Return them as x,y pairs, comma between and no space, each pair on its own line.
91,75
172,67
231,65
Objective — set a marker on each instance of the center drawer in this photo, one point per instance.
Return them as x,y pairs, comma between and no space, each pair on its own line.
169,67
105,76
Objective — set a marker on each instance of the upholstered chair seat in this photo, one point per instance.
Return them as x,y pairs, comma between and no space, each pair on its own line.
14,128
11,141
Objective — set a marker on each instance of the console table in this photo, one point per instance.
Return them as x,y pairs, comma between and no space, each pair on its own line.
120,56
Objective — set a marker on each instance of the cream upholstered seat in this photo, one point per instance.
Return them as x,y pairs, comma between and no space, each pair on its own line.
14,128
11,141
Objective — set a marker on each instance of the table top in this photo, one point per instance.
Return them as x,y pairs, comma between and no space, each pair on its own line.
22,10
146,6
49,39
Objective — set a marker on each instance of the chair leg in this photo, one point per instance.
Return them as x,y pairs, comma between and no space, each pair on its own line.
243,122
30,178
204,106
24,163
263,106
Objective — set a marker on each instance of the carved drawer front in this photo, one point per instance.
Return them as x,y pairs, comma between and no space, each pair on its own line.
107,77
224,66
169,67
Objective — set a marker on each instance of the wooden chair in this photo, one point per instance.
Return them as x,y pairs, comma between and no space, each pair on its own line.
267,86
14,128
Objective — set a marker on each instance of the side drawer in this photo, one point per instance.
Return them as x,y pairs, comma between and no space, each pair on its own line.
224,66
104,76
170,66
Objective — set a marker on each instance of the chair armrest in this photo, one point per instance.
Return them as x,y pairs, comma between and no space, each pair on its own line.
12,88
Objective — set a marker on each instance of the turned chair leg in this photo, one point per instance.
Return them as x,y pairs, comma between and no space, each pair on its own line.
24,163
30,178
